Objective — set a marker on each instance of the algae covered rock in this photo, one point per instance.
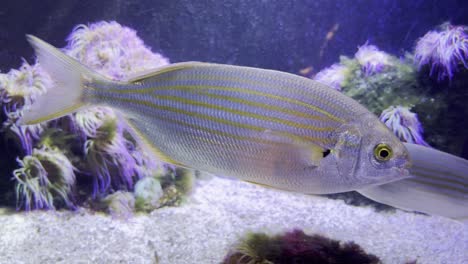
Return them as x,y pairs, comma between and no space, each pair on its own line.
148,192
430,82
120,204
296,247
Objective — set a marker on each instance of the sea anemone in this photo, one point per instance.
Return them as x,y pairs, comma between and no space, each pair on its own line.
297,247
43,179
20,87
26,136
444,51
333,76
107,151
372,60
404,124
112,50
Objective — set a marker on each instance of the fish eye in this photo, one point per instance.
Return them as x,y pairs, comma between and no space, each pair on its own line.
383,152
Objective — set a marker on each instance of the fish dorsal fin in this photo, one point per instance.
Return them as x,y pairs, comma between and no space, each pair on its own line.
151,74
309,153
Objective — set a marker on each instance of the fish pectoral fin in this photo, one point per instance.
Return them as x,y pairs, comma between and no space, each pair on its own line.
296,147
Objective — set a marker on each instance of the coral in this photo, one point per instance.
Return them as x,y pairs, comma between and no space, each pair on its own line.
372,60
147,193
404,124
334,76
106,150
112,50
443,51
296,247
44,179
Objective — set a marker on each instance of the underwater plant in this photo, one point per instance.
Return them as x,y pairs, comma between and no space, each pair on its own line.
372,60
44,179
404,124
296,247
334,76
444,51
112,50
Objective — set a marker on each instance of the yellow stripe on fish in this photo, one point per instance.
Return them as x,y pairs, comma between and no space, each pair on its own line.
189,88
219,120
198,77
242,113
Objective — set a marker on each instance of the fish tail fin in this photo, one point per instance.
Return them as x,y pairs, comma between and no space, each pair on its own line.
69,92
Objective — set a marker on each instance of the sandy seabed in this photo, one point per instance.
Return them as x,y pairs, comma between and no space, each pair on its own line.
217,214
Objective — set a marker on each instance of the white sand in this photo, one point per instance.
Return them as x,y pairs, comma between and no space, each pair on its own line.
214,218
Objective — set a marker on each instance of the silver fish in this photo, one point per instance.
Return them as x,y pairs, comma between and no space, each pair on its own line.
438,186
263,126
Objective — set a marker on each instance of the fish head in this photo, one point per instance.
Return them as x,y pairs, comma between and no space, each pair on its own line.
368,153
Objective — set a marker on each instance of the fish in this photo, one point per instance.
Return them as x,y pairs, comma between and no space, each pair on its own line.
263,126
438,185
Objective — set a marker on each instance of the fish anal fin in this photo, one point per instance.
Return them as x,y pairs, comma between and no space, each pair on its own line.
145,143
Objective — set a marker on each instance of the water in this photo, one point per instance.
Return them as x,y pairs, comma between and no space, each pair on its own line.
71,190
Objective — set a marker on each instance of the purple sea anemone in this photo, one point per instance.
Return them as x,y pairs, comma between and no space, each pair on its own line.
107,152
444,51
111,49
404,124
19,87
371,59
333,76
25,135
43,178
